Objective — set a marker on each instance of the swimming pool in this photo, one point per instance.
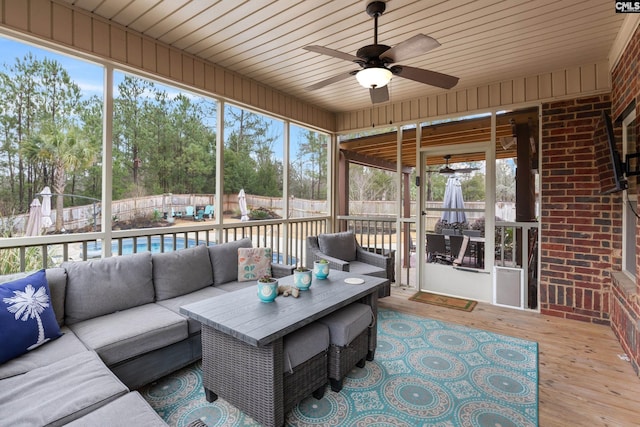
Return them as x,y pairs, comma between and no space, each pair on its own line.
95,250
156,244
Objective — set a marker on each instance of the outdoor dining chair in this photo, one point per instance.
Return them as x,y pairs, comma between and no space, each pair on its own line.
437,249
462,250
455,242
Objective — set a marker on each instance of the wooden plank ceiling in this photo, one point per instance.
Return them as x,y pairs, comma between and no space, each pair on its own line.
380,150
482,41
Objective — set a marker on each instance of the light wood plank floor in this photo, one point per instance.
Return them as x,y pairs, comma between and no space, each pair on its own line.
582,380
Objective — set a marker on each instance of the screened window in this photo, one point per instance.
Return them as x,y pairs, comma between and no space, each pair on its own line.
308,172
253,164
51,141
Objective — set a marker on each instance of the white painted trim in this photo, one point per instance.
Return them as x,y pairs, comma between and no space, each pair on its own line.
628,28
107,161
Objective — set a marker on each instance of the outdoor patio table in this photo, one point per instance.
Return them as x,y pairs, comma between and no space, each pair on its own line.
242,359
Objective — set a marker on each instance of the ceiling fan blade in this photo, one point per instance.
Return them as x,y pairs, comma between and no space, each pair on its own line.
380,94
466,170
331,52
330,80
410,48
432,78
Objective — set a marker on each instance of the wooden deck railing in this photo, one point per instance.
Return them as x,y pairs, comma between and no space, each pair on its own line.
287,238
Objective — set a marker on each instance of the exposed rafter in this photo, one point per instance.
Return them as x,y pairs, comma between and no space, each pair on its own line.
382,147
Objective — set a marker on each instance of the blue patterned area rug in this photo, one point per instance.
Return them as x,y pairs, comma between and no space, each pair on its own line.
425,372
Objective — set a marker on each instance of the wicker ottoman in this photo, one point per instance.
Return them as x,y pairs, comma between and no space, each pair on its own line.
305,364
349,333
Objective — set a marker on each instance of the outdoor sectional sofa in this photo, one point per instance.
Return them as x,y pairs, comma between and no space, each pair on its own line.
121,329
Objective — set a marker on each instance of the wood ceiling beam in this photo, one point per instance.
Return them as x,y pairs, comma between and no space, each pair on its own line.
372,161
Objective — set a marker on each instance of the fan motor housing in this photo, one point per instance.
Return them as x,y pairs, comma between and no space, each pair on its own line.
372,52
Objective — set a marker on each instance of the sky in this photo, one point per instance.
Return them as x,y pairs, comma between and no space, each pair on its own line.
90,77
87,75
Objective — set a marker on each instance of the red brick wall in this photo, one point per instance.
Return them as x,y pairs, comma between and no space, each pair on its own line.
580,237
625,78
625,309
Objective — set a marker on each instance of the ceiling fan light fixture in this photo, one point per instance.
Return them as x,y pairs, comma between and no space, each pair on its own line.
374,77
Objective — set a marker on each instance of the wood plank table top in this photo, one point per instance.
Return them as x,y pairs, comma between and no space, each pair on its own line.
243,316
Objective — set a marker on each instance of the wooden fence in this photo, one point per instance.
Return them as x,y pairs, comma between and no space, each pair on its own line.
82,216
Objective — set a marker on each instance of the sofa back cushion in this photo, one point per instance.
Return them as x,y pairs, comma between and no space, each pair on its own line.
181,272
107,285
338,245
57,280
224,260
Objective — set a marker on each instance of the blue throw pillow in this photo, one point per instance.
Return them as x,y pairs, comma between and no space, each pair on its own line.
27,319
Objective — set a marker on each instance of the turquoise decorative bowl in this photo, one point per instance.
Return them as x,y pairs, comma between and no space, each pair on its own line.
302,279
320,270
267,292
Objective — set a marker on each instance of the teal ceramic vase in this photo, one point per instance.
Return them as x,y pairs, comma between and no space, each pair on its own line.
268,291
321,270
302,279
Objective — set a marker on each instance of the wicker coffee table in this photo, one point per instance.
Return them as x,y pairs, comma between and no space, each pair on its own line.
242,358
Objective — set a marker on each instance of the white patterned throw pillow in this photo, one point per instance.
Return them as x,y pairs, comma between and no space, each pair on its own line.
253,263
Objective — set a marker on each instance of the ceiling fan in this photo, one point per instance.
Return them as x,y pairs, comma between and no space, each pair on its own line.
375,58
447,170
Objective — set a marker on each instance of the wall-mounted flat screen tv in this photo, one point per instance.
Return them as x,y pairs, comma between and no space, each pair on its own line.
608,160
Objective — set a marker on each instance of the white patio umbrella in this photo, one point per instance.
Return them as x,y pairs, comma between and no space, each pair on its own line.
34,222
242,203
453,202
46,208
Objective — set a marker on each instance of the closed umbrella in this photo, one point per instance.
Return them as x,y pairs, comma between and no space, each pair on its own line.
34,222
242,203
46,208
453,202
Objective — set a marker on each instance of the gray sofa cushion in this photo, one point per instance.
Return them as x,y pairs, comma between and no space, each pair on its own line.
358,267
107,285
180,272
128,410
129,333
224,260
235,285
347,323
57,279
67,345
59,393
174,304
301,345
338,245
